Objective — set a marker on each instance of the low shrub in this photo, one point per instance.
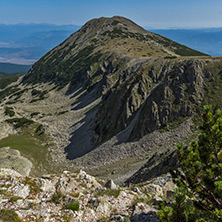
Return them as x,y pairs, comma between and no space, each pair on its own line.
73,206
14,199
34,114
109,192
56,197
20,122
9,216
9,111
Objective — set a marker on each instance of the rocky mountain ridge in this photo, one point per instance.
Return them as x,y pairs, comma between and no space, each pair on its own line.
98,102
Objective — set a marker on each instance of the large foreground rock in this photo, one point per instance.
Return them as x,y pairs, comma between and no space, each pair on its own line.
12,159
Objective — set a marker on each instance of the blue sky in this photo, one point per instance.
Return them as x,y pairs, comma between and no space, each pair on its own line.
148,13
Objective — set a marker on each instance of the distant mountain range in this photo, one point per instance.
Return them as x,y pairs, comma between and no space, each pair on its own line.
207,40
26,43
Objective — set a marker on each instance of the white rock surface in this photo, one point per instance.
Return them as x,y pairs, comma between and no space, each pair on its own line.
51,199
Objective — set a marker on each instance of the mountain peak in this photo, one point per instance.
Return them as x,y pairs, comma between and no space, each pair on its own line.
115,21
119,34
78,55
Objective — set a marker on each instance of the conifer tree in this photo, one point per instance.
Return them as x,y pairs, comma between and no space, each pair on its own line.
199,176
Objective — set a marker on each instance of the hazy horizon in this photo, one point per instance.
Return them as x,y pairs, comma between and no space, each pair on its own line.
158,14
145,27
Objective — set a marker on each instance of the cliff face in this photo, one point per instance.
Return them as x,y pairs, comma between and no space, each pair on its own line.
180,94
160,92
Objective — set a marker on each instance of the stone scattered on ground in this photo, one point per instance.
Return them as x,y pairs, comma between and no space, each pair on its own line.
77,197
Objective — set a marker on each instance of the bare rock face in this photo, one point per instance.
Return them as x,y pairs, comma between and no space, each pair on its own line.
111,185
12,159
151,98
178,95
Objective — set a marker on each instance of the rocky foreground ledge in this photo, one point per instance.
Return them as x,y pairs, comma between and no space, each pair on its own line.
78,197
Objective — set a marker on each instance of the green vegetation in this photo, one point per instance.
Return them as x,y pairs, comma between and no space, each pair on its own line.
9,111
199,179
8,91
9,216
2,74
170,57
73,206
34,114
2,192
40,130
64,71
115,22
29,141
108,192
18,94
57,197
20,122
213,87
14,199
39,93
5,81
62,112
34,187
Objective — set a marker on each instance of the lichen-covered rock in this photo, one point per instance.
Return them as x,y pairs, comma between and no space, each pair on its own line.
20,190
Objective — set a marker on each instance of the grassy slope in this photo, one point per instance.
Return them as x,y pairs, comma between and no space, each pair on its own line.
6,80
31,145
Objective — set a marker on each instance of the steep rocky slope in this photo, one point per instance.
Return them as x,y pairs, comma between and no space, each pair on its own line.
111,95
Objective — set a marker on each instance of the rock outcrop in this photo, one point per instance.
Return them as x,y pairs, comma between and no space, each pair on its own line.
77,197
12,159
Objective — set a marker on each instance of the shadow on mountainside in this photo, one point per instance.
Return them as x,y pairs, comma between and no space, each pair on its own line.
87,98
81,140
145,217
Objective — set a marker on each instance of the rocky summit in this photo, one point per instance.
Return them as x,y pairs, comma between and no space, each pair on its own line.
112,99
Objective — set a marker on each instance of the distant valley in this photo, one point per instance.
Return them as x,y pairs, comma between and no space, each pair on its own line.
207,40
26,43
13,69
